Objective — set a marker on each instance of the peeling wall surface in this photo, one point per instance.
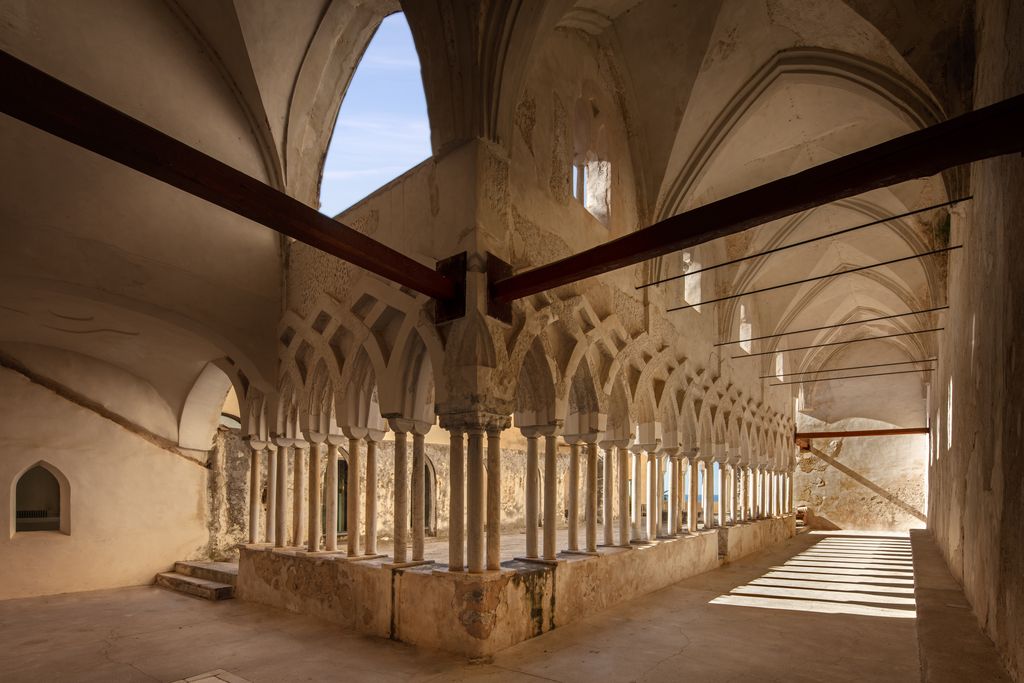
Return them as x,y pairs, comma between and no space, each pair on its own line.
871,483
977,460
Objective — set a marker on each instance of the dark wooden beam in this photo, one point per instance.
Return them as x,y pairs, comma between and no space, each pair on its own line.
860,432
987,132
34,97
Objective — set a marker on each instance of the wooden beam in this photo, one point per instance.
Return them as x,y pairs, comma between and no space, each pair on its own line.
40,100
861,432
987,132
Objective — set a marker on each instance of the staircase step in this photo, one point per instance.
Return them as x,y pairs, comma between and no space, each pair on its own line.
221,572
191,585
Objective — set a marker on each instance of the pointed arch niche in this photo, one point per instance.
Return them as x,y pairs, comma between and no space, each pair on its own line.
40,500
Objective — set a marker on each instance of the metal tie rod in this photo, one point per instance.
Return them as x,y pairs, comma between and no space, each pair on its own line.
819,277
836,379
829,327
838,343
849,367
801,243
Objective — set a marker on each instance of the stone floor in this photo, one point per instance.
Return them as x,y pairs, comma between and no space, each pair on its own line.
820,607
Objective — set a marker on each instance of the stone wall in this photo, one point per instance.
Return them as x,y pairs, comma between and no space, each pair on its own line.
977,461
869,483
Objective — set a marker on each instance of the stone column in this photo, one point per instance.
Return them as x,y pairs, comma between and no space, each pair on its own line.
401,535
637,534
532,492
419,493
271,520
748,492
313,507
624,525
299,493
574,488
370,540
653,495
608,493
475,500
281,513
691,507
331,496
494,498
550,493
673,495
709,493
256,449
591,497
457,507
352,502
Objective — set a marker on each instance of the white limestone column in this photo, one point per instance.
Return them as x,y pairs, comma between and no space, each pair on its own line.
624,516
281,513
653,495
673,495
352,502
532,494
370,539
313,508
475,500
608,494
691,507
255,453
550,494
709,493
574,489
493,499
401,535
748,492
457,507
591,497
637,494
299,493
331,497
419,492
271,521
791,503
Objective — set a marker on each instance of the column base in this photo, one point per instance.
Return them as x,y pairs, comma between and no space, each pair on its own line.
587,553
538,560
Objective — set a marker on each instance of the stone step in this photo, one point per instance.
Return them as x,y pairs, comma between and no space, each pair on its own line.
221,572
191,585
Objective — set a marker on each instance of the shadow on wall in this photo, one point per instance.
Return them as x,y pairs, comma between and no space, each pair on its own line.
861,479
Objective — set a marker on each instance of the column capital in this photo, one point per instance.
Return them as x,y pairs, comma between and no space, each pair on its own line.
478,421
316,438
609,444
672,452
283,442
652,447
586,437
354,432
256,444
534,431
406,425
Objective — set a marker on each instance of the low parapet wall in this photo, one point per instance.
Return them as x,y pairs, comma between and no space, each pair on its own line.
743,539
479,614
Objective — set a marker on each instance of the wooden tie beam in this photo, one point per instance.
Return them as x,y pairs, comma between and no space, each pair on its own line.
40,100
981,134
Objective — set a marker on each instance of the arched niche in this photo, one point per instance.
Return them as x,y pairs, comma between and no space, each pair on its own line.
40,500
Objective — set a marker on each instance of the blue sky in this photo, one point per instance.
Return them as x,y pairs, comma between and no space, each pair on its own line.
382,129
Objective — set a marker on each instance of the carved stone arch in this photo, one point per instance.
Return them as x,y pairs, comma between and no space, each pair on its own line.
536,402
620,412
316,407
358,403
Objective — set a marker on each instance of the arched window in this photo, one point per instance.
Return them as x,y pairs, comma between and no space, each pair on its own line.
746,330
591,169
42,500
382,129
691,283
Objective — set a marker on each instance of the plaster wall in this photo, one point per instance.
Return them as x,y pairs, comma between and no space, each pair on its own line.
130,514
977,463
875,483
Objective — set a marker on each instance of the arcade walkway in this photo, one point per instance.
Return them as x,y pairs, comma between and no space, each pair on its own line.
837,607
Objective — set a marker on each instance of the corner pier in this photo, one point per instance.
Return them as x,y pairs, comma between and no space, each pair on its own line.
479,614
